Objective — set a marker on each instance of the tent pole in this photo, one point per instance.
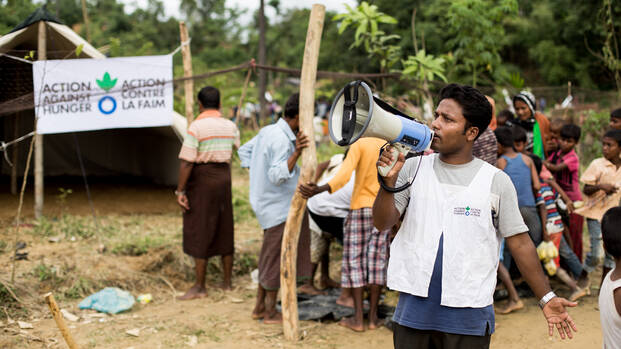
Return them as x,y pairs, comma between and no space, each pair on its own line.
188,85
14,155
291,235
38,169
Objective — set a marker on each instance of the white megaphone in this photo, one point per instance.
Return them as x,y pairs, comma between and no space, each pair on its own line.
356,113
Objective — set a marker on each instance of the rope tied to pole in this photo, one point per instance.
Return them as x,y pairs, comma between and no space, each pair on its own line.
185,43
5,145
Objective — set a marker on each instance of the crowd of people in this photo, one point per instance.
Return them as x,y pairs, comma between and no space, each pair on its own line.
493,190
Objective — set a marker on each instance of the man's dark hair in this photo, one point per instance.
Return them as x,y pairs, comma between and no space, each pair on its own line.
571,131
536,161
209,97
292,107
615,114
611,231
614,134
476,108
519,135
507,114
504,136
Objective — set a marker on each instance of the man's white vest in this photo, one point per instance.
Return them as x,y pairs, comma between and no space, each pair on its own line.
471,244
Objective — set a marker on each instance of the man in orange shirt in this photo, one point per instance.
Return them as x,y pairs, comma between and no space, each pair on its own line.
365,249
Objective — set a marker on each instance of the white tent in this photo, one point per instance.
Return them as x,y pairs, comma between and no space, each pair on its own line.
149,153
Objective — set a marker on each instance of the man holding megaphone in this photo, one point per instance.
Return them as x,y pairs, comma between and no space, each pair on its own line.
444,258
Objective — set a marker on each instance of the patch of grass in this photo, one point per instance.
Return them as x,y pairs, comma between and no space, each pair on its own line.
137,246
6,299
77,226
47,274
244,263
67,225
3,246
81,288
242,211
198,333
43,226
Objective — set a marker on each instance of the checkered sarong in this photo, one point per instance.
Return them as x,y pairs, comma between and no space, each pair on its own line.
365,251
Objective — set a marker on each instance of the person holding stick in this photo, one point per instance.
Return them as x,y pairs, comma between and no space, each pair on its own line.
444,258
271,157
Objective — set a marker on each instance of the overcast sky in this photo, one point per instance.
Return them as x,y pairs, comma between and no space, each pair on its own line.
172,6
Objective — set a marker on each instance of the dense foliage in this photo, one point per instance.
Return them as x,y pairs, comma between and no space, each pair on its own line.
483,42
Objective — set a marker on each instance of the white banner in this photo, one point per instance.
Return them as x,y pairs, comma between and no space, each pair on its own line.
93,94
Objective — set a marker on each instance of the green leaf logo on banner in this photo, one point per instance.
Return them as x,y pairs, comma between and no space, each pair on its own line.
106,83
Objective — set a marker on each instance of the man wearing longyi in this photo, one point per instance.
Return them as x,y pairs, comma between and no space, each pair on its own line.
444,258
204,190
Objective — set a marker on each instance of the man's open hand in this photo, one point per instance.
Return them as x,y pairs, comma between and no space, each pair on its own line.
557,316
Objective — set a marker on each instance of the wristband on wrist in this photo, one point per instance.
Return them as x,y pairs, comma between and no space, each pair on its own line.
545,299
179,192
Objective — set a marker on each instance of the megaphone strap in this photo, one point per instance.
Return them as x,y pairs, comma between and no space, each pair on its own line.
380,179
348,123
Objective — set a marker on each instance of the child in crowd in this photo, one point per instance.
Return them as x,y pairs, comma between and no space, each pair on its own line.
521,170
602,180
552,144
523,174
552,230
519,140
615,119
504,118
610,292
514,302
327,214
564,165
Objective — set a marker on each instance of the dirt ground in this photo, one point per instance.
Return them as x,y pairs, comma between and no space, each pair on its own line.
143,216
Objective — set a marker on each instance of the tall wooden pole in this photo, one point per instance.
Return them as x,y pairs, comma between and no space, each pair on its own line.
262,61
243,95
297,211
188,84
38,168
86,22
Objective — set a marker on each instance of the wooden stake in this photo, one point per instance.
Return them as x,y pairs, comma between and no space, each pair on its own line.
86,23
243,95
38,169
262,61
60,322
188,84
297,211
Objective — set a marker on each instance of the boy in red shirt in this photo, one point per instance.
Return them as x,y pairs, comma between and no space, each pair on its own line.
564,165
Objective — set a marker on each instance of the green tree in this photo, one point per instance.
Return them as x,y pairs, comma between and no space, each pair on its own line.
476,28
379,45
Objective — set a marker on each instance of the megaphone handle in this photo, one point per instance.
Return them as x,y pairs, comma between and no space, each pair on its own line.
397,148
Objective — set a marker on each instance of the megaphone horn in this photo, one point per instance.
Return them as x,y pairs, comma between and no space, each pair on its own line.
349,112
356,113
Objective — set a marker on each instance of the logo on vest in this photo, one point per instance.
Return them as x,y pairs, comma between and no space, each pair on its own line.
467,211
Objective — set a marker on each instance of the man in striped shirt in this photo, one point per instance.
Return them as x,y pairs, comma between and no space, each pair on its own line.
204,190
